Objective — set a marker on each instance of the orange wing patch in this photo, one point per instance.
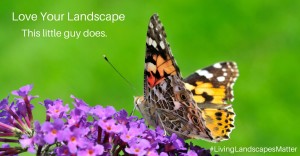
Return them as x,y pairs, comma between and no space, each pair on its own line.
205,91
219,122
165,66
157,73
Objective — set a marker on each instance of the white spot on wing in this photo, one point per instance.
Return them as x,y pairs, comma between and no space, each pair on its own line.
149,41
151,67
162,45
217,65
160,36
231,85
154,44
151,25
158,94
177,105
231,92
234,79
205,73
232,70
164,86
221,78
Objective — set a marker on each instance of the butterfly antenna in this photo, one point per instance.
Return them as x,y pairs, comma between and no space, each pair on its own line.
129,83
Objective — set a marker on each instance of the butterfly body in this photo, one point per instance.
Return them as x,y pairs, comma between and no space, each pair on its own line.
195,107
171,106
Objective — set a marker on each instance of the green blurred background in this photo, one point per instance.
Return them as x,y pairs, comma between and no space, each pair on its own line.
262,36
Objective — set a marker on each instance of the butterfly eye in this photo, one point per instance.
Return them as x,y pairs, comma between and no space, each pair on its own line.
183,97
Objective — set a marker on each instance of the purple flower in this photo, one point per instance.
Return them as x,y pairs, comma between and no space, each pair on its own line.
191,153
110,126
138,147
91,151
27,142
23,91
3,103
5,145
21,107
152,153
160,135
56,109
134,131
76,116
103,113
39,134
80,104
53,131
130,134
199,150
163,154
63,151
177,142
84,130
10,120
122,117
5,117
74,138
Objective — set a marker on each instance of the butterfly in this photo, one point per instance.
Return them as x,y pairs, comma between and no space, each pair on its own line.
197,107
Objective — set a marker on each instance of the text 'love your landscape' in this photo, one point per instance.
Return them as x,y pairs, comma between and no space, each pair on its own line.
57,17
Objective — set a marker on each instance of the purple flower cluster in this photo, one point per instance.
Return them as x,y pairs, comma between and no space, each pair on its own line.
84,130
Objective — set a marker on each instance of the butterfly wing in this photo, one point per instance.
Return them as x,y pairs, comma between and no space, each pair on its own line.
212,90
166,101
159,64
159,61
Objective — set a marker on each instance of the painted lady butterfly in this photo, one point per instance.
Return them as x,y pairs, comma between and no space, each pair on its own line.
196,107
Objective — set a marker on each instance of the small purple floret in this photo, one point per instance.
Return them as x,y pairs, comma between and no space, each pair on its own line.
23,91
